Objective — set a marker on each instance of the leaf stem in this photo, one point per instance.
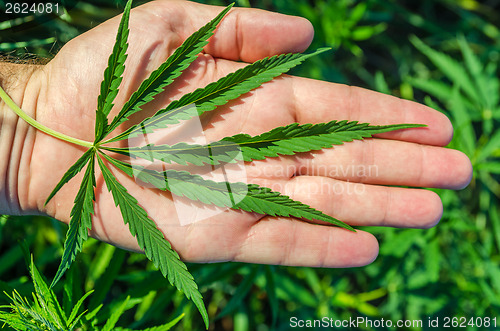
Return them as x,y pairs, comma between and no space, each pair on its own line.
31,121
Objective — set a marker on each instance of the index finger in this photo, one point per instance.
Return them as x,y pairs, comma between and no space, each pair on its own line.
245,34
317,101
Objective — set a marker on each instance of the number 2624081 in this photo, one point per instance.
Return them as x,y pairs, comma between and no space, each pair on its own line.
32,8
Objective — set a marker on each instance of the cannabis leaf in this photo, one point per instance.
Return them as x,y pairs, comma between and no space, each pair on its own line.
168,71
152,241
47,299
72,172
250,197
44,312
112,75
287,140
81,220
218,93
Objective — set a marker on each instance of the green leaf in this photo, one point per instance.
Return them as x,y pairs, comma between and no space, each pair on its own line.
73,318
13,320
490,149
90,316
81,220
296,138
271,292
495,222
263,200
288,140
440,90
380,83
50,306
103,284
219,93
104,256
113,74
152,241
475,68
491,167
294,290
168,71
167,326
117,313
72,172
24,316
10,258
71,288
241,291
247,197
462,124
451,68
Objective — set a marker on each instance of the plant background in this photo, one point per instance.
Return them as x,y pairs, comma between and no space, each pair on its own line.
450,270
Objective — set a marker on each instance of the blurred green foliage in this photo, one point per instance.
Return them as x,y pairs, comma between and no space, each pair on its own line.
444,53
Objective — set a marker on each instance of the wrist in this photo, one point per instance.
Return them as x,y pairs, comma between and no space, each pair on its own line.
16,137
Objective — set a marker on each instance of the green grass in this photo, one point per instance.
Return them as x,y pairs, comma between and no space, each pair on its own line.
442,53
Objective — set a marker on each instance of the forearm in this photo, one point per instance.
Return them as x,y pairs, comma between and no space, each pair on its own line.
16,138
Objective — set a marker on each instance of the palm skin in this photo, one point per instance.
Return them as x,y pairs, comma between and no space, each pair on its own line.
69,86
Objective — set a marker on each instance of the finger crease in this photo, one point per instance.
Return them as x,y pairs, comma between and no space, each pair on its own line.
420,171
239,36
324,251
388,202
294,102
354,103
289,244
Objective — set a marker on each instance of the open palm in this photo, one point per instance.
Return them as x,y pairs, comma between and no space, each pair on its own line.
345,182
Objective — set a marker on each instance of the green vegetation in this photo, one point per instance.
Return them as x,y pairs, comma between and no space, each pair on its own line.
442,53
46,313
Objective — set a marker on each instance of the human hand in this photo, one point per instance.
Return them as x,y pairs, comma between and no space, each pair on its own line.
66,93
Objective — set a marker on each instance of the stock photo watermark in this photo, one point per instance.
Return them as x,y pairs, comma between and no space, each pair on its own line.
361,322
